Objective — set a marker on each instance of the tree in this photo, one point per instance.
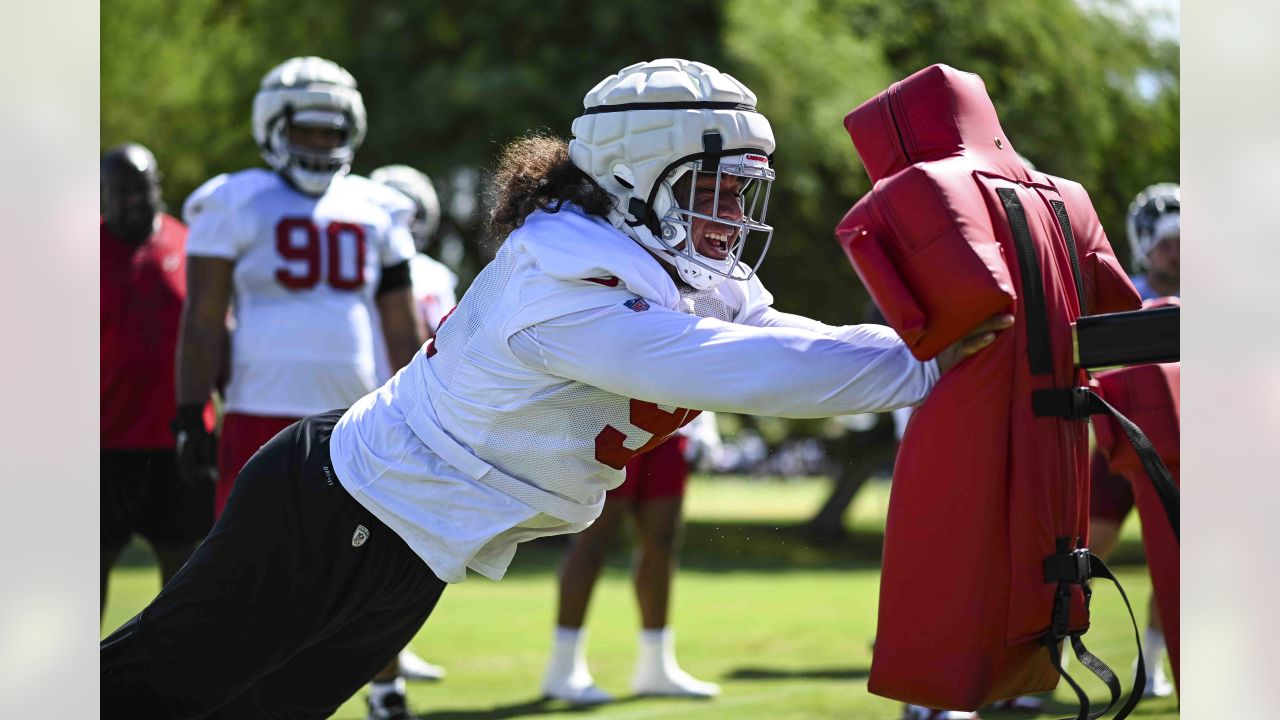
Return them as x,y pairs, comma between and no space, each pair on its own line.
1067,81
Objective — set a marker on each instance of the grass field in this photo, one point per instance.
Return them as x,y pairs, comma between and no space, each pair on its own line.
783,626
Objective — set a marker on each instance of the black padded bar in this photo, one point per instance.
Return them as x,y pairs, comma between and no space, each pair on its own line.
1127,338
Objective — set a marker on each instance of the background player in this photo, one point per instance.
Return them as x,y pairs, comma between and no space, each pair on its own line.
143,284
652,495
434,284
1154,228
308,257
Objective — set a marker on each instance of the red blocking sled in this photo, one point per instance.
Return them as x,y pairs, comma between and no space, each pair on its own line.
955,230
1149,396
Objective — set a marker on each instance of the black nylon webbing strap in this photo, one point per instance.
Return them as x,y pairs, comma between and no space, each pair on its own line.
1098,568
1078,567
1055,658
1064,222
1099,669
1079,403
1038,349
1161,478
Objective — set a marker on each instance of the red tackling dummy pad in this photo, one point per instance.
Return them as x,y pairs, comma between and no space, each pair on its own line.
983,489
1148,395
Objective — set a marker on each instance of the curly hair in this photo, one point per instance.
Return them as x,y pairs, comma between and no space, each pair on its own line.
534,173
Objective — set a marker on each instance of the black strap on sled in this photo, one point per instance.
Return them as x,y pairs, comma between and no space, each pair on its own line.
1079,403
1066,567
1078,567
1064,223
1037,315
1072,403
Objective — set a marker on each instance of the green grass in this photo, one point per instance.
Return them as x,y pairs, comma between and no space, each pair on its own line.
783,626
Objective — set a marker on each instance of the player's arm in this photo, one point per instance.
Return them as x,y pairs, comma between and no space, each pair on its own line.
202,336
202,342
399,316
670,358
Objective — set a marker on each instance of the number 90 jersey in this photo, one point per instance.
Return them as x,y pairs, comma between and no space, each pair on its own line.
306,273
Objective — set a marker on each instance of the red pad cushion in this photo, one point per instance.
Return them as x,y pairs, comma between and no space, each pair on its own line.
1149,396
983,489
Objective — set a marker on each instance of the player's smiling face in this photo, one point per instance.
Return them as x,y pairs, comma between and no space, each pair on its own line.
713,239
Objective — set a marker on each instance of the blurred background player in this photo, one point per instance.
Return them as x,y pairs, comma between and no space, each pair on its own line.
1154,227
652,495
307,256
433,286
143,284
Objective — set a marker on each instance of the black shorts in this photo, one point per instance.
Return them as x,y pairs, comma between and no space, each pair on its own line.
297,598
140,492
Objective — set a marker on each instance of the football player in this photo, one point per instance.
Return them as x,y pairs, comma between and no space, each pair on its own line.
143,283
434,284
652,496
618,306
1154,227
314,263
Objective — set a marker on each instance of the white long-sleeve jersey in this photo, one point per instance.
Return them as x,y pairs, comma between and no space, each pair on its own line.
572,352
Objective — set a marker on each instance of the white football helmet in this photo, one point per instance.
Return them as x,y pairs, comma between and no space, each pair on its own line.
1155,213
308,91
654,122
418,188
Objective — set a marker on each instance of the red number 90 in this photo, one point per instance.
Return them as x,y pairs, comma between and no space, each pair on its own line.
308,253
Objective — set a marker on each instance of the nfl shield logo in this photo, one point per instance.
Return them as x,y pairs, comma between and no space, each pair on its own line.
362,534
637,305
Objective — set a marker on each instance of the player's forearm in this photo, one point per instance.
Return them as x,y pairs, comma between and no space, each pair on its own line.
401,347
200,349
399,326
675,359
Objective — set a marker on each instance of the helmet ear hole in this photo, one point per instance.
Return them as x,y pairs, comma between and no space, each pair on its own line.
624,176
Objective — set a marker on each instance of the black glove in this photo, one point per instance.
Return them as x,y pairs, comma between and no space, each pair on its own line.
197,448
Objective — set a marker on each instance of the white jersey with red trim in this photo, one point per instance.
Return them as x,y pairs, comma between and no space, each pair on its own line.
434,286
306,272
572,352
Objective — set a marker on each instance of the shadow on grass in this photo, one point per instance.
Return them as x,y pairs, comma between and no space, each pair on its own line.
538,706
760,673
714,546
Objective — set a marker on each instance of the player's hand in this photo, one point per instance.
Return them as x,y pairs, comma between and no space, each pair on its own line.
197,448
982,336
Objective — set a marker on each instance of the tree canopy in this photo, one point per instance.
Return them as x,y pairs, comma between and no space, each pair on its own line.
1084,91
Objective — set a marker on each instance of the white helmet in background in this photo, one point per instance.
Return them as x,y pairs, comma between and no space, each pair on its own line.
654,122
314,92
417,187
1153,215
